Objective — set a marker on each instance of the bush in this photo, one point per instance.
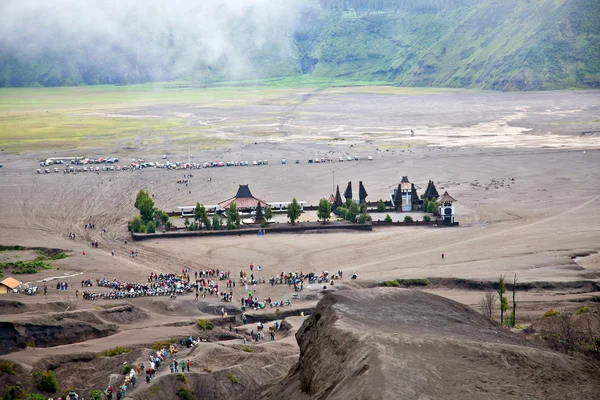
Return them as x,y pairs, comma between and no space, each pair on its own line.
582,310
380,206
551,313
393,283
59,256
7,368
388,218
248,349
408,219
96,394
164,344
183,378
233,378
205,324
126,369
47,382
185,393
414,282
427,218
150,227
114,352
136,224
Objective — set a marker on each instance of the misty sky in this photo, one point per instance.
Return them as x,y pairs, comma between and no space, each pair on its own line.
156,34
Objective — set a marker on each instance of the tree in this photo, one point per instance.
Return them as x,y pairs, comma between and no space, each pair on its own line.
364,218
233,214
324,210
352,212
408,219
198,213
426,218
201,215
258,215
186,222
503,300
268,213
487,304
380,206
145,205
150,227
136,224
216,222
47,382
513,315
388,218
294,211
341,211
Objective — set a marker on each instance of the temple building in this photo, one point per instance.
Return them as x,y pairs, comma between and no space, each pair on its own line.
447,208
243,200
362,193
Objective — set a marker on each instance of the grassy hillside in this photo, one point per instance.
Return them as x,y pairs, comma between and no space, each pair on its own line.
489,44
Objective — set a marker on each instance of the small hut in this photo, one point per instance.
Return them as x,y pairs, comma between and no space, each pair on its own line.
9,285
243,200
362,193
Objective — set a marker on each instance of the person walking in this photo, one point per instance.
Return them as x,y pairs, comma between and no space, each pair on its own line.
187,364
182,365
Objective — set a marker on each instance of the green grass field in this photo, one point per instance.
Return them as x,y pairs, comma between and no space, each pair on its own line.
83,117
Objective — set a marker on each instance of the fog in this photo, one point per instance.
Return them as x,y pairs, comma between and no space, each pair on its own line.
161,39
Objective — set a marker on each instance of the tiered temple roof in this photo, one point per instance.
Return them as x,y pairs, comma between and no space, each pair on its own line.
362,193
348,192
243,199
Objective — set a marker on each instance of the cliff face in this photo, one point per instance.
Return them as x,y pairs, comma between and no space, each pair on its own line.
391,343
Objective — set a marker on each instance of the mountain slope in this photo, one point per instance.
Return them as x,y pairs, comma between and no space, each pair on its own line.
489,44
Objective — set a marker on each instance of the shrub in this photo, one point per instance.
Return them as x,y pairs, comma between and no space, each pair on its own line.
206,369
551,313
582,310
408,219
136,224
248,349
393,283
126,369
427,218
233,378
150,227
114,352
388,218
205,324
163,344
96,394
380,206
183,378
47,382
7,368
185,393
414,282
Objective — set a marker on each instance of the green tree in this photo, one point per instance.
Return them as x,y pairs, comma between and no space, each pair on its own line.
216,222
186,222
234,214
513,315
408,219
294,211
137,225
364,218
145,205
47,382
427,218
352,212
388,218
380,206
503,300
268,213
197,215
150,227
324,210
201,215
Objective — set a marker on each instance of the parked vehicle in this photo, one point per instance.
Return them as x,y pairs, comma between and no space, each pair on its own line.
370,158
355,158
340,159
39,171
297,161
283,161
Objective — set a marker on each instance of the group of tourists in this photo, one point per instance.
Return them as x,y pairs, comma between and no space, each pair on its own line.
62,285
167,285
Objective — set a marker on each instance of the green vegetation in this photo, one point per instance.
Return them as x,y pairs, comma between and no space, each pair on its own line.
248,349
408,219
582,310
201,216
18,393
380,206
426,218
431,206
150,218
183,378
47,382
233,216
388,218
551,313
24,267
503,300
294,211
7,367
185,393
410,282
233,378
324,210
205,324
96,394
126,369
164,344
268,213
114,352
